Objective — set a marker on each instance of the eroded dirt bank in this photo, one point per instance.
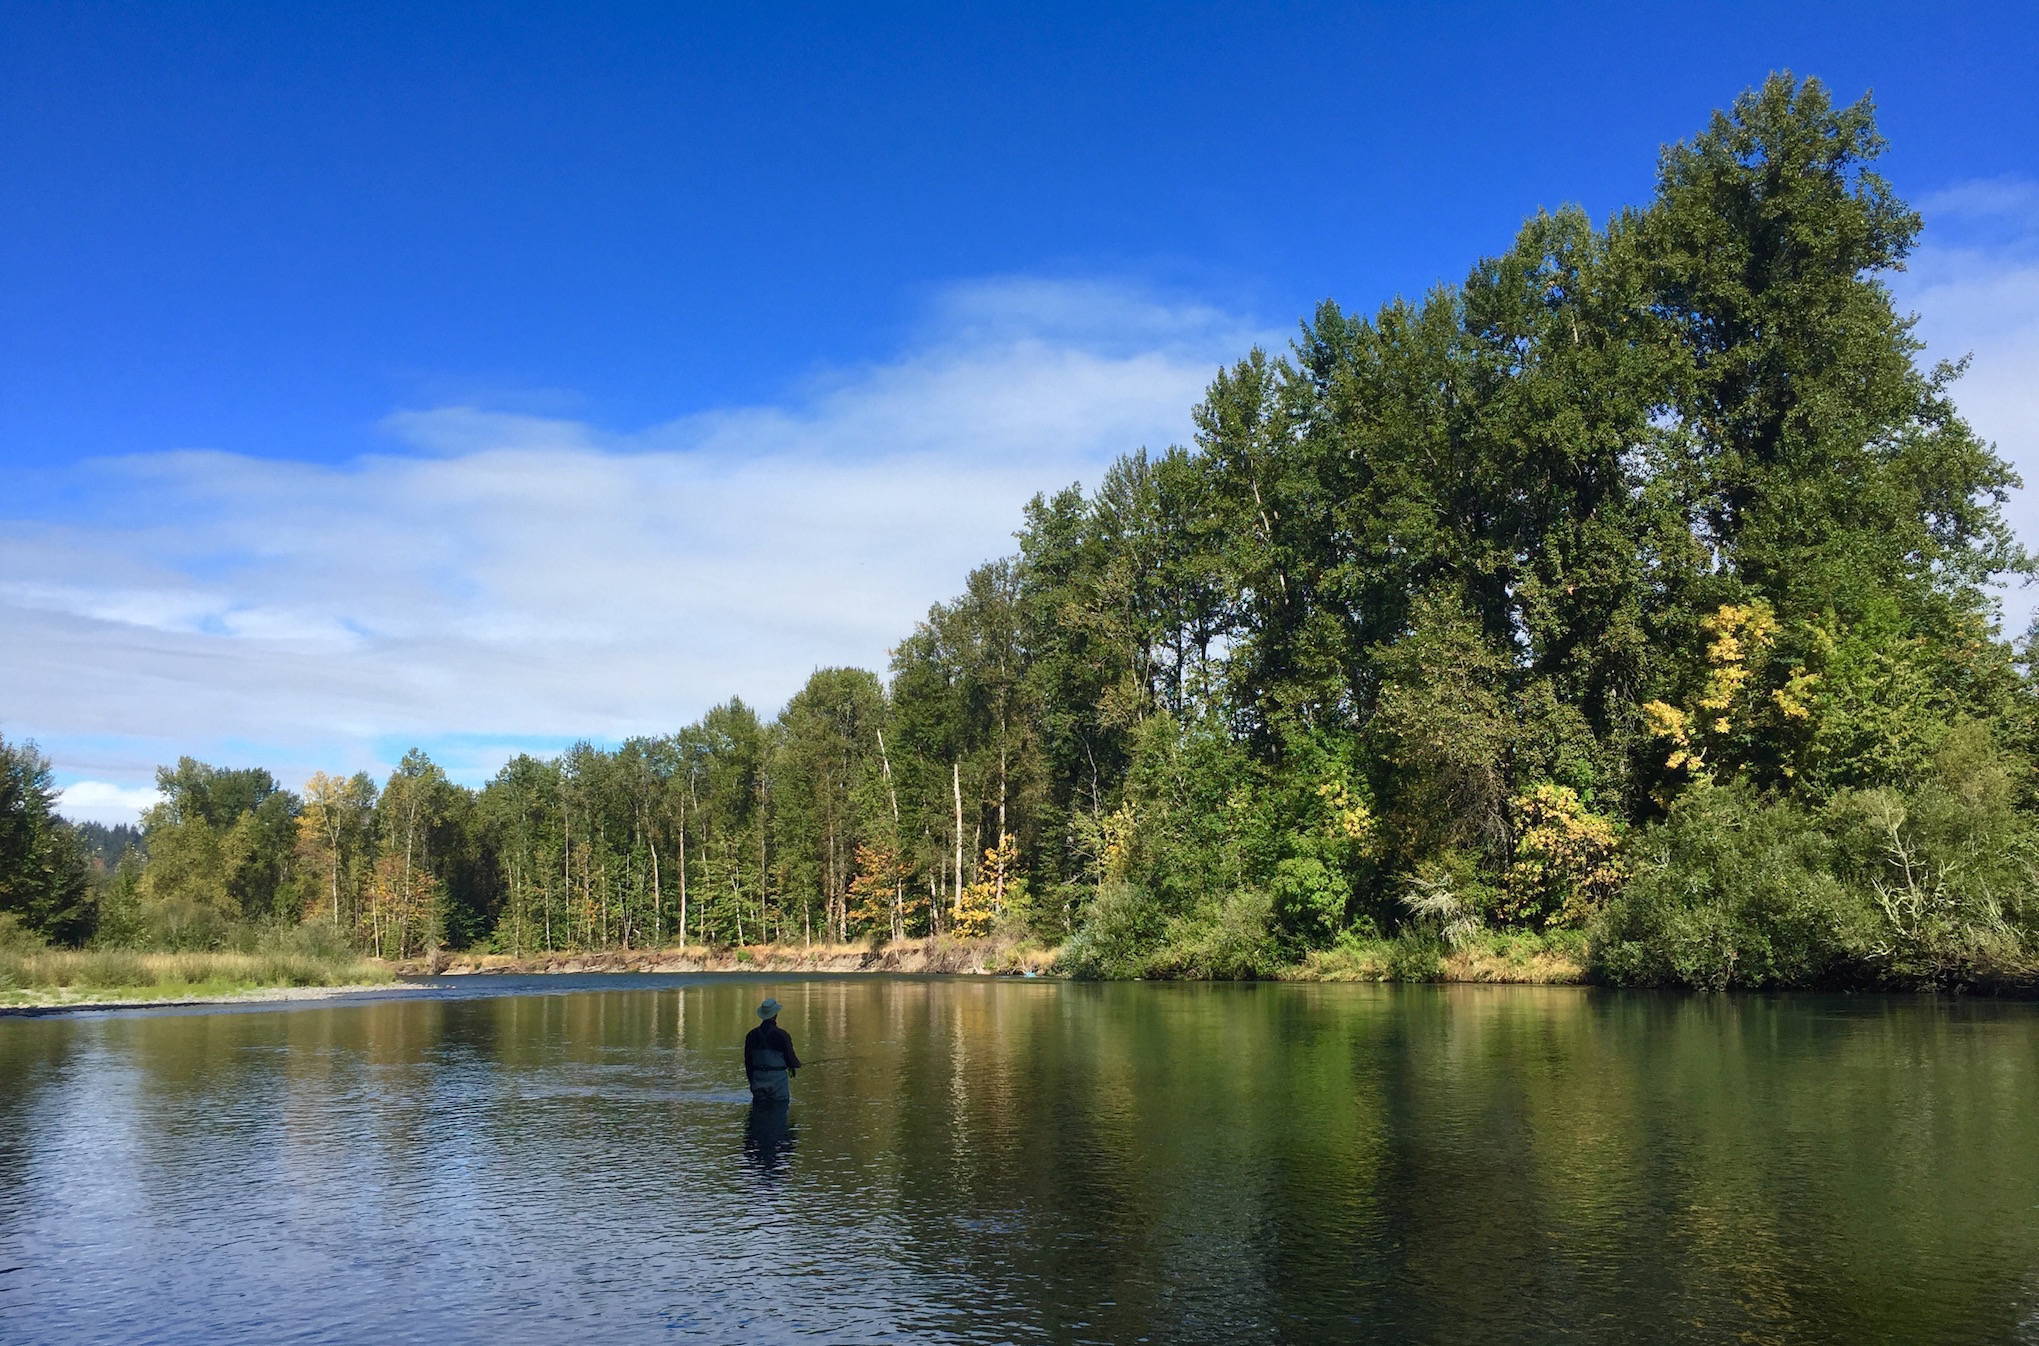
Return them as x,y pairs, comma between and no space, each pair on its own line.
981,957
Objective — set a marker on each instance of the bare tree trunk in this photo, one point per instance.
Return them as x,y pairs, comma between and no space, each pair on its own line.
899,876
410,836
658,909
998,897
333,836
566,870
956,782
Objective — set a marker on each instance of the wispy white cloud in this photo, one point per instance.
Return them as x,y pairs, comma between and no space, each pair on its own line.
1974,282
485,574
2009,196
98,801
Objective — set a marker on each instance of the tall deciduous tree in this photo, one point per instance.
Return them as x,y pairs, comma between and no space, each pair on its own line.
335,839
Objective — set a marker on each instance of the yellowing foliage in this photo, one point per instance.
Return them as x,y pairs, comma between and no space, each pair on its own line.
1567,858
1350,817
1670,723
401,906
875,891
1793,696
998,886
1741,634
1107,839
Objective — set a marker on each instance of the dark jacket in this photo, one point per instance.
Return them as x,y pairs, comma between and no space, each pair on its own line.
769,1037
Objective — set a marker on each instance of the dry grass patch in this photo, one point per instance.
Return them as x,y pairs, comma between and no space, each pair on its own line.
1368,960
1516,963
1508,957
126,974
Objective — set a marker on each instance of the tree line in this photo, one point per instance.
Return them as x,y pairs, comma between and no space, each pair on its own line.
1636,585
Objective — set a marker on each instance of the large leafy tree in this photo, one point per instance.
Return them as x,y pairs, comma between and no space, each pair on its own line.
829,795
222,847
335,840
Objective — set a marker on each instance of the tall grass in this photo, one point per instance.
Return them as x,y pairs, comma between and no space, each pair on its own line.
1555,958
99,970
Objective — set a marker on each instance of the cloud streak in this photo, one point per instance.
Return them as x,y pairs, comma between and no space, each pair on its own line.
488,575
1974,282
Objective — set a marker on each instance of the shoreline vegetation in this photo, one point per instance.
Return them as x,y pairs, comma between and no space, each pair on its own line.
49,978
1500,959
1621,613
63,979
74,980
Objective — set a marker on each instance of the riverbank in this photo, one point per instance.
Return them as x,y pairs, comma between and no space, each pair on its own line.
1502,958
118,979
964,957
56,980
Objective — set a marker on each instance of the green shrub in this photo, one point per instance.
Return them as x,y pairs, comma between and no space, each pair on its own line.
1447,899
317,939
1414,958
1928,885
1309,900
17,938
1950,865
1232,941
178,925
1734,890
1118,934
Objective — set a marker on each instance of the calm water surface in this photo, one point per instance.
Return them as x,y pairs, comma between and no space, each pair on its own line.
576,1161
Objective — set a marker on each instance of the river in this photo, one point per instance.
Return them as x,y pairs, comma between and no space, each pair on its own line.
575,1160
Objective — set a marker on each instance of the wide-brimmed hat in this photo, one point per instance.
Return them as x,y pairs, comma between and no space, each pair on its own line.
770,1009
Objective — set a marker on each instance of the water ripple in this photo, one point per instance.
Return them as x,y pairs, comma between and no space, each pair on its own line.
1005,1162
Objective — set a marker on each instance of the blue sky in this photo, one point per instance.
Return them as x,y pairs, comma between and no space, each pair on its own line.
487,376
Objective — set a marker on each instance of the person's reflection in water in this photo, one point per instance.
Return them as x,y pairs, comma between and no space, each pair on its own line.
768,1136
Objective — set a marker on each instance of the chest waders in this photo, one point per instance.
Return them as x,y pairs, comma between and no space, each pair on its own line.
769,1082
